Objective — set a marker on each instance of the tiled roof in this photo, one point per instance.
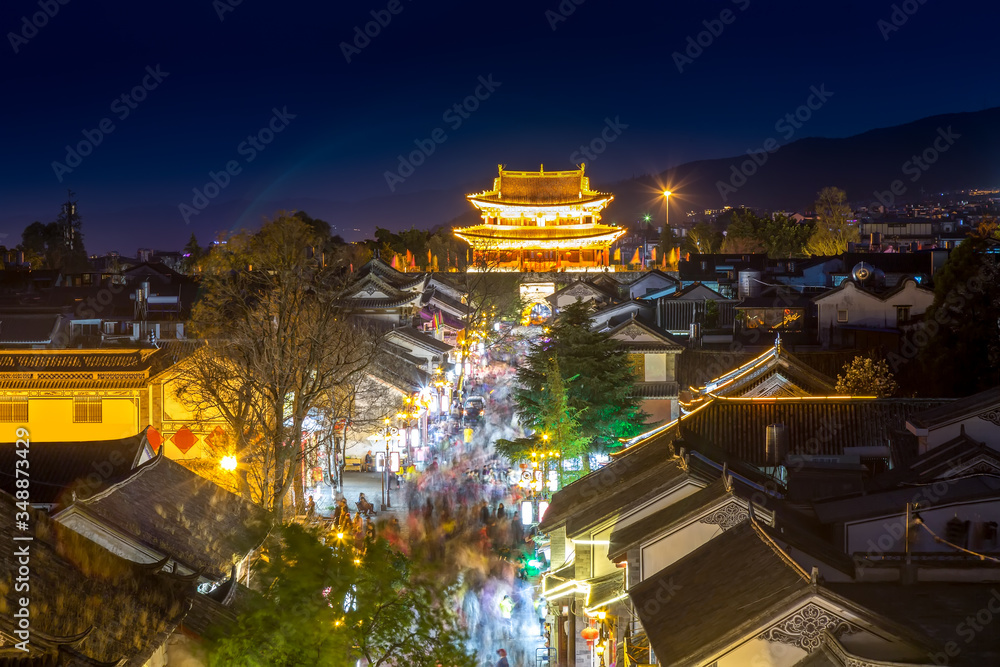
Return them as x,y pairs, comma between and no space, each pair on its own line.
421,339
27,328
454,304
580,286
932,611
400,280
76,586
75,360
817,426
655,389
368,304
714,595
400,373
540,188
745,377
664,341
695,286
61,469
183,515
881,295
606,587
942,461
623,483
892,501
955,410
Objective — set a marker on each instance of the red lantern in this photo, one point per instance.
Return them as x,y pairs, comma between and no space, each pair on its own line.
590,634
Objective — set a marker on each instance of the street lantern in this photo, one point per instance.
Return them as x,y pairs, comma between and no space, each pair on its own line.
228,463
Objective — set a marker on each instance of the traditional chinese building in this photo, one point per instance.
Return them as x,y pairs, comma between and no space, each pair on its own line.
540,221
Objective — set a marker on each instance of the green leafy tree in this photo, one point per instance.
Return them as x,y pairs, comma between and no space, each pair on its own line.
192,254
668,240
59,244
330,605
36,240
601,386
743,233
834,228
784,238
702,239
557,428
961,356
865,376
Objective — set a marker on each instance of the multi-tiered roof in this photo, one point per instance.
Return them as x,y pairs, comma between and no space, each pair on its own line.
546,210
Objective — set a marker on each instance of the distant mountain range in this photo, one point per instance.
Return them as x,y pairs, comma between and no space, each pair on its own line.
953,152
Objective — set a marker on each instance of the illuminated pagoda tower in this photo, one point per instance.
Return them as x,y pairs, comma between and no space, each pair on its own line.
540,221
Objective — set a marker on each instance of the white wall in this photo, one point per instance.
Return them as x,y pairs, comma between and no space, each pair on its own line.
671,548
762,653
976,428
656,367
887,534
867,310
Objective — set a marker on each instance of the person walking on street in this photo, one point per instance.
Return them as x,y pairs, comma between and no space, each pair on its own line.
506,610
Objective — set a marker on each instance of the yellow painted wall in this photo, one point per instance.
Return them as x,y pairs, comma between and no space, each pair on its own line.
50,419
168,413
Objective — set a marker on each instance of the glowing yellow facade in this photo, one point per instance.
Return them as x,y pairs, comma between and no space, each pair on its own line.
79,395
541,220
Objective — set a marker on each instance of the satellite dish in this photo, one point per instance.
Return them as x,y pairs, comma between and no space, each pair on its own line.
862,272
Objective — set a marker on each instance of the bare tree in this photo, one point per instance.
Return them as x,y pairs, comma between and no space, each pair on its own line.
280,341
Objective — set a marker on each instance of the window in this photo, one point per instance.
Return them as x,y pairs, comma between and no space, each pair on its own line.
87,409
902,314
842,316
14,409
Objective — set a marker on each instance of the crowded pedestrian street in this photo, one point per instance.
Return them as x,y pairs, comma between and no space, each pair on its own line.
460,514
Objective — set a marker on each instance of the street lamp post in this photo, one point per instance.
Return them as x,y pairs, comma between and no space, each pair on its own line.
666,198
387,433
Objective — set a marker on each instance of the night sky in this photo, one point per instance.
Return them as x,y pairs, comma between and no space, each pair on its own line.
223,70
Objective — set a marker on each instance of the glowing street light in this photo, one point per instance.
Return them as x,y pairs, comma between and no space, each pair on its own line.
666,198
228,463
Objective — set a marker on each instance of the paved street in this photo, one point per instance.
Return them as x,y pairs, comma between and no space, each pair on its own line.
447,530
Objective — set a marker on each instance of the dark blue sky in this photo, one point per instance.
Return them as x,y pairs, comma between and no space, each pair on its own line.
351,120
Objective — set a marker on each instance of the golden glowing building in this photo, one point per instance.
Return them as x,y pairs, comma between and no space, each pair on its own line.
541,221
